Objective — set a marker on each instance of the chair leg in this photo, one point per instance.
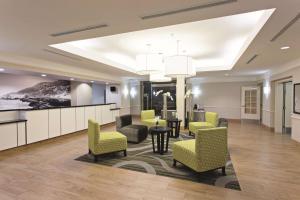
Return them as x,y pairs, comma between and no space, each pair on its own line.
90,151
125,153
223,171
174,163
190,133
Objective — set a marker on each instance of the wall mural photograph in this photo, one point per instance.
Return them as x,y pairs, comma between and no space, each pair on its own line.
25,92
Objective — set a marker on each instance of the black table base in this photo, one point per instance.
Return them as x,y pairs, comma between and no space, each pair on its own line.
175,127
160,139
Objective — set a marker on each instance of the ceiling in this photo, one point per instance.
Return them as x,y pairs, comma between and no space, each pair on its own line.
28,27
214,44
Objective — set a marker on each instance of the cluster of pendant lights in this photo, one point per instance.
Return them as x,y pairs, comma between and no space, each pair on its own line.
163,69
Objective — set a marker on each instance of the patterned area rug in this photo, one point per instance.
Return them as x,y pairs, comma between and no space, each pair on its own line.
140,157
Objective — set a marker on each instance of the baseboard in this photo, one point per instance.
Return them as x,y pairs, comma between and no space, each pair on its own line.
109,124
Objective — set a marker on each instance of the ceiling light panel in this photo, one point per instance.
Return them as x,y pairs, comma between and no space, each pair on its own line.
214,44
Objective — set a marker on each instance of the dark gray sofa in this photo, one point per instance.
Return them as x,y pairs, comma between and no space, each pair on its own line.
134,133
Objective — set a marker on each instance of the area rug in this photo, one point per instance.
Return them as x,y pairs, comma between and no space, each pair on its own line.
140,157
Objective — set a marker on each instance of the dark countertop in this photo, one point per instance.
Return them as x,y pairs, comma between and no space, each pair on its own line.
13,121
115,108
29,109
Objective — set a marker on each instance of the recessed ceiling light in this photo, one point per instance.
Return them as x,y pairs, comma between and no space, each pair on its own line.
72,79
285,47
92,81
2,70
44,75
226,74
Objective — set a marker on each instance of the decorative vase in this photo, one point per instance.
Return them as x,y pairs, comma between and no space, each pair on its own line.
157,121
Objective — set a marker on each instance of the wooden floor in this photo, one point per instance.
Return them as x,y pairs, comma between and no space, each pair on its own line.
267,166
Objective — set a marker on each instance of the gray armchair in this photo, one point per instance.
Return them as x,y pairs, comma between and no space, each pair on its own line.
134,133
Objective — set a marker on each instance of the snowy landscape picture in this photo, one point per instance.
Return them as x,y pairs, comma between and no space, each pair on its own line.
20,92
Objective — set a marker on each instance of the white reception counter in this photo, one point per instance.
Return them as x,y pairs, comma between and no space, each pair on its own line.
31,126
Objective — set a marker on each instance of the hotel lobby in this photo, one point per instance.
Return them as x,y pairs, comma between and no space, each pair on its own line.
133,100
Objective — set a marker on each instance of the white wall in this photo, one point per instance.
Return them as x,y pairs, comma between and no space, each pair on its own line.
81,93
135,97
113,97
130,97
278,108
222,97
125,98
98,93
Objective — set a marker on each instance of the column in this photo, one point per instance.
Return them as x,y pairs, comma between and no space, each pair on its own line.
180,91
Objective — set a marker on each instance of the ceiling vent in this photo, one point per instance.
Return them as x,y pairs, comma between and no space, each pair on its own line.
60,54
285,28
172,12
252,58
87,28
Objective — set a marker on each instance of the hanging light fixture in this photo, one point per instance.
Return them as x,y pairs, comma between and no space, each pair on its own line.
149,63
179,65
159,77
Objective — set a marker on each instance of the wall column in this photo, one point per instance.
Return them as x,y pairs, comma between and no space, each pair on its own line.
180,91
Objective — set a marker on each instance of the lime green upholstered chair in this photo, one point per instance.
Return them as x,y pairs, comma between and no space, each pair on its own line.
104,142
211,121
208,151
148,119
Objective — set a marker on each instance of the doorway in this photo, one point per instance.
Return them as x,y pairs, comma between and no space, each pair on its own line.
250,108
283,106
287,107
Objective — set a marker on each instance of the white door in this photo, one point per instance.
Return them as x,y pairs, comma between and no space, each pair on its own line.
288,104
278,107
250,103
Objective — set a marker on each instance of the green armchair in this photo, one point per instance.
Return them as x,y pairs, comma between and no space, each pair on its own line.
211,122
104,142
208,151
148,119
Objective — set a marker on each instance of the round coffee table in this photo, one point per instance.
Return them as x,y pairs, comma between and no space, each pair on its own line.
160,132
174,124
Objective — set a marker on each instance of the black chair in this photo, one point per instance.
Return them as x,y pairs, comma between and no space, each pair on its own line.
134,133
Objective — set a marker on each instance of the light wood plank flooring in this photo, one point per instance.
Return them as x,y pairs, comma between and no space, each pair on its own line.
267,166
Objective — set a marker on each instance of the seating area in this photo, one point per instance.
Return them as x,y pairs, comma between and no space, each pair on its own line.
208,151
204,153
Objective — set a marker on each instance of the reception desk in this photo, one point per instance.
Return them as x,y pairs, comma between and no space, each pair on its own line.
12,133
38,125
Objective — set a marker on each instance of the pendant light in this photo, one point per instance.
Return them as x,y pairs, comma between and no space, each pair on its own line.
159,77
149,63
179,65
